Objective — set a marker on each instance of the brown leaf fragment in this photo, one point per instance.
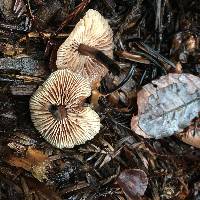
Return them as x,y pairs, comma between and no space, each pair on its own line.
167,105
34,161
192,135
41,190
133,182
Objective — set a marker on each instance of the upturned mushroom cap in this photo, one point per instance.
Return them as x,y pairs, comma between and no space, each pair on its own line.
94,31
57,110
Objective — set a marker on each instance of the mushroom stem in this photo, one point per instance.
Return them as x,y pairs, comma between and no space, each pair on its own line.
99,56
58,112
124,81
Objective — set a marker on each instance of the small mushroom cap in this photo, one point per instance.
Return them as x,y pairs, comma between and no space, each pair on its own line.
66,89
94,31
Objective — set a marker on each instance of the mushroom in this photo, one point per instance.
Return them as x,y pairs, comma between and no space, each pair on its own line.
58,113
89,48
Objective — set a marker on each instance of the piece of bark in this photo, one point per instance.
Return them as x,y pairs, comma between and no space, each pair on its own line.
21,75
21,152
22,89
17,87
23,65
7,113
167,105
45,13
9,49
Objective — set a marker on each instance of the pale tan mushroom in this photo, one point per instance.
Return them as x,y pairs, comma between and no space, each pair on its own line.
58,113
80,51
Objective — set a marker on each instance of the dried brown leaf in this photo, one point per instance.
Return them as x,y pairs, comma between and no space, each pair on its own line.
133,182
41,190
167,105
192,135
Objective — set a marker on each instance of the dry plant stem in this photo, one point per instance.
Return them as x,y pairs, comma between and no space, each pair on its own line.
99,56
132,57
78,9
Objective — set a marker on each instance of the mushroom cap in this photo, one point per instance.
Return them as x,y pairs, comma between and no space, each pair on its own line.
93,30
67,89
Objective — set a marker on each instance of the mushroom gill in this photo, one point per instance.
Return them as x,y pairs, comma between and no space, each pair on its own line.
58,113
90,42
